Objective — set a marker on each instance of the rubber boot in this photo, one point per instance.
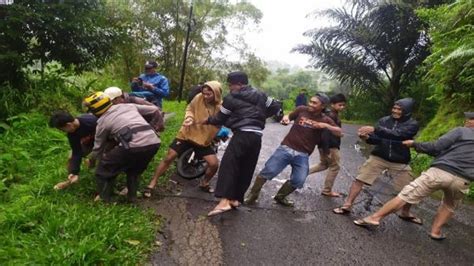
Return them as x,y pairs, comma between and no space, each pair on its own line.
284,191
105,188
255,190
132,185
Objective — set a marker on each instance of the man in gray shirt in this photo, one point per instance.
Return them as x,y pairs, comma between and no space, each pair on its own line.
452,170
136,138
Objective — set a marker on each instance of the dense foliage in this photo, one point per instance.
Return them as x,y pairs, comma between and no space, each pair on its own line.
375,47
158,30
75,33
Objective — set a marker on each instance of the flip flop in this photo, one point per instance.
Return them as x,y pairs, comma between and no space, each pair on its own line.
123,192
331,194
235,205
62,185
364,222
437,238
341,210
411,219
147,192
207,189
219,211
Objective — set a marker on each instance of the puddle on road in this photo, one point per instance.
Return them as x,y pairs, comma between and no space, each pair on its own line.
186,239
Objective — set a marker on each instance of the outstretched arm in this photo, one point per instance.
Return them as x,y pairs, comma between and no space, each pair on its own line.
436,147
402,132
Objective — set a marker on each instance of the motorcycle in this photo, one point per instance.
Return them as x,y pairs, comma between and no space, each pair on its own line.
190,166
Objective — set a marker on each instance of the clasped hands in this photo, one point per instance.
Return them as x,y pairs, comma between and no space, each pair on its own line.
365,131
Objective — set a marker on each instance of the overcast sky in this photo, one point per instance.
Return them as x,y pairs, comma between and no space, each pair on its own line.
282,27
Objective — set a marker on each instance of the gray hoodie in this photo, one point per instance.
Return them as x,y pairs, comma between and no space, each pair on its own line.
454,152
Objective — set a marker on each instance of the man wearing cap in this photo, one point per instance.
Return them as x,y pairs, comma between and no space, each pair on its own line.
388,155
137,142
331,160
151,85
244,110
296,148
452,170
117,96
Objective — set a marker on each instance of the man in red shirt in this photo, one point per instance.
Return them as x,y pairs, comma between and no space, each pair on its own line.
296,147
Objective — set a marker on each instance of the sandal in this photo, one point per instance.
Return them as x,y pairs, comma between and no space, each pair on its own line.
411,219
235,204
364,222
437,238
331,194
207,188
342,210
62,185
147,192
219,211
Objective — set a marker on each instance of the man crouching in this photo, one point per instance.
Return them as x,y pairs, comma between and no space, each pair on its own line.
137,142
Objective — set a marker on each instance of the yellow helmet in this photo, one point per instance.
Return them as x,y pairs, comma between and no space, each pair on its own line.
97,103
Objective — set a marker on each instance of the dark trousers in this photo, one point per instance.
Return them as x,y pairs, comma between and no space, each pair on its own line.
237,165
133,162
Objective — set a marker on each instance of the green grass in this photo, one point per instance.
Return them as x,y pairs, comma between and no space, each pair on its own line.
42,226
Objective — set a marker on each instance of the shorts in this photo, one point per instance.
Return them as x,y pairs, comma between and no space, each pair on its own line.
374,166
180,146
454,188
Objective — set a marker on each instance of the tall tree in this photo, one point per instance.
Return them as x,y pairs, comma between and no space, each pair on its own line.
375,46
158,31
72,32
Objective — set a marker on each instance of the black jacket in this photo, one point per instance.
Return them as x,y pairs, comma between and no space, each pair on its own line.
390,132
334,141
246,109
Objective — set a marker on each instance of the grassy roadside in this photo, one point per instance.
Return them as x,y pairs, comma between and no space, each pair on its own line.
43,226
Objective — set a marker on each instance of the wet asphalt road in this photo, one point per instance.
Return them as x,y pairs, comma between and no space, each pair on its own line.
268,234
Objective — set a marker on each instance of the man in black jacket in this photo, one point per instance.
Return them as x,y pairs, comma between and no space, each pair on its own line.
389,154
244,111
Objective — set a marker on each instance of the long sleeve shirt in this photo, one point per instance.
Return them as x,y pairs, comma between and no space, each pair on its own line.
454,152
160,88
83,136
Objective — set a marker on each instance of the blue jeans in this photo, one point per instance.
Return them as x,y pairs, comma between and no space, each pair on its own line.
282,157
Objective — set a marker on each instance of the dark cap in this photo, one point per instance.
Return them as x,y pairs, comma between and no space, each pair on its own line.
151,64
323,98
237,77
469,115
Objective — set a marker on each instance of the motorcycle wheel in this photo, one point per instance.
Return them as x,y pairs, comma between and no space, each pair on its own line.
190,168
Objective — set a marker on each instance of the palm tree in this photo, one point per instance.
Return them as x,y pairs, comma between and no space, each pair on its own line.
375,46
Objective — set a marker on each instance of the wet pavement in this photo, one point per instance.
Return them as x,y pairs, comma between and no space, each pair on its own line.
268,234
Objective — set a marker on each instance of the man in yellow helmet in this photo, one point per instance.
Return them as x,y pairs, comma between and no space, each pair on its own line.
138,142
